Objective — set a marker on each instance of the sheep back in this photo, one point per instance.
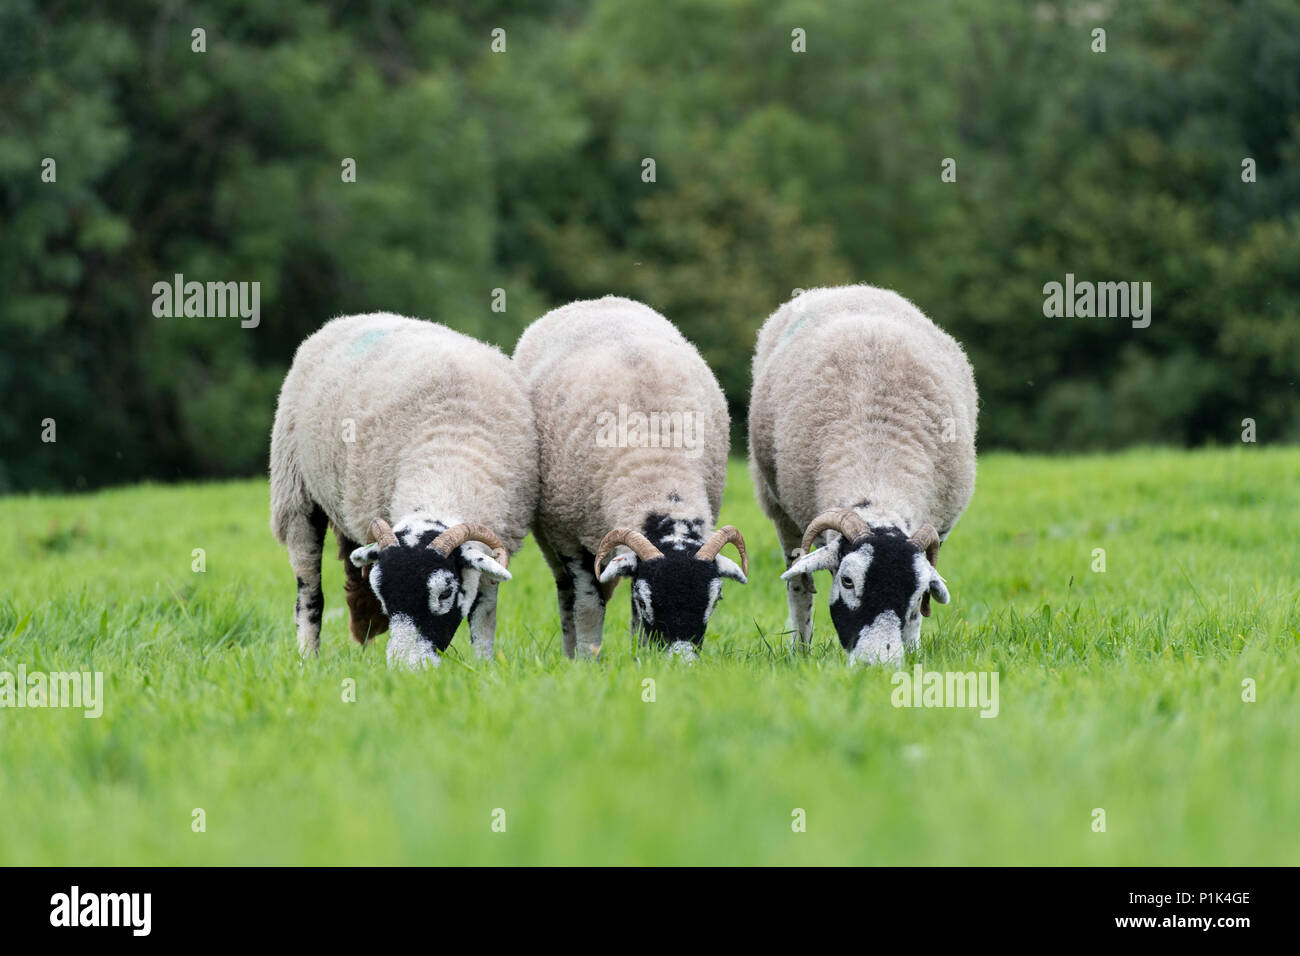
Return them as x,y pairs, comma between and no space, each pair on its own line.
857,397
439,422
581,362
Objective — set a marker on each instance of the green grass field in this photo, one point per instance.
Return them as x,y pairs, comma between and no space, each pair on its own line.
1119,690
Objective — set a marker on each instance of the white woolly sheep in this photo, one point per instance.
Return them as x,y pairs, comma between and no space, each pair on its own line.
634,434
862,431
420,441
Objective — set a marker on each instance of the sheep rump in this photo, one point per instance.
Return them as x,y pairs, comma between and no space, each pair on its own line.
590,357
855,391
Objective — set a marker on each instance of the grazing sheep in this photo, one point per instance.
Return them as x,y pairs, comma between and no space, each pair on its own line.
384,419
634,434
862,430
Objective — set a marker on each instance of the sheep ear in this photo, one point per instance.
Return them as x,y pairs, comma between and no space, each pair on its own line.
938,588
483,563
730,569
365,555
620,566
823,559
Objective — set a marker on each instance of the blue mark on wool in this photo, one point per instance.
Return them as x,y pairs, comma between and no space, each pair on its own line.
367,340
792,328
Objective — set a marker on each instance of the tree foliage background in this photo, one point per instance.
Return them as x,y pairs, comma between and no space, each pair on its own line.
521,170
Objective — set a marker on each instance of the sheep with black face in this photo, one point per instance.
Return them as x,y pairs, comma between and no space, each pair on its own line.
862,436
632,504
427,580
674,593
383,418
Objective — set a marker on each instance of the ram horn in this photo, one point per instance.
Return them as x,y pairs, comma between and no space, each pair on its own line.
724,535
639,543
455,536
379,532
927,539
846,522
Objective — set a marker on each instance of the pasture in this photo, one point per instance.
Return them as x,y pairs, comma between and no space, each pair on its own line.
1120,690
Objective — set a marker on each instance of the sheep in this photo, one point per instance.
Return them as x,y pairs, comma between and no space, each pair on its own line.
421,441
634,434
862,432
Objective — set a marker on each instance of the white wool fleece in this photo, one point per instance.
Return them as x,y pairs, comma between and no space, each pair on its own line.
438,420
586,359
857,397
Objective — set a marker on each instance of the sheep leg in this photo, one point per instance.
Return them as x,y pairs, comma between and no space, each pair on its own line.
569,631
799,590
588,607
483,619
366,615
305,539
799,596
563,591
640,637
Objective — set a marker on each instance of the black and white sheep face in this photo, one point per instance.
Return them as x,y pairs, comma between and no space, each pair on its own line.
424,594
878,594
673,596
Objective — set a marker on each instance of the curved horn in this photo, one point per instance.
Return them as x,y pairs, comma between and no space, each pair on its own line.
455,536
927,539
846,522
380,533
635,540
724,535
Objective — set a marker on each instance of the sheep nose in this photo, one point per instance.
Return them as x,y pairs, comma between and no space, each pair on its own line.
684,650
